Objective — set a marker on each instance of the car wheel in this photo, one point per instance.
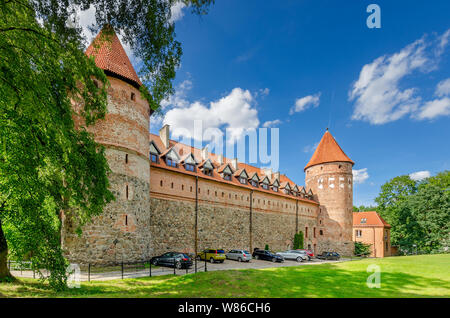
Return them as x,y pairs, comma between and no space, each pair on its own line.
256,257
211,260
239,259
178,265
299,259
274,259
155,262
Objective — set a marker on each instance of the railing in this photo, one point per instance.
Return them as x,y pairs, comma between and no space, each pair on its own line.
91,272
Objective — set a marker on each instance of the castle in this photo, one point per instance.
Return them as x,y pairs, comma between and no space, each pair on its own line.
174,197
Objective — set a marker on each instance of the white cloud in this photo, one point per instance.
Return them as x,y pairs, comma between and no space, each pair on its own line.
179,98
420,175
177,12
434,108
360,176
377,93
310,148
234,112
272,123
305,102
443,88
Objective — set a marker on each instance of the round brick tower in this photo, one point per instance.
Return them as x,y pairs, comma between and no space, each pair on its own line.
121,232
329,175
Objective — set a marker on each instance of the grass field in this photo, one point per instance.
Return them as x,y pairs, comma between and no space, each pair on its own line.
409,276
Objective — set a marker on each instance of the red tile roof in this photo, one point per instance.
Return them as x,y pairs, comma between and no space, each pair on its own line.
328,150
372,219
110,56
214,159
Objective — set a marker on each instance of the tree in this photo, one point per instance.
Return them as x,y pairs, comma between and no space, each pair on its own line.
362,249
363,208
298,240
46,165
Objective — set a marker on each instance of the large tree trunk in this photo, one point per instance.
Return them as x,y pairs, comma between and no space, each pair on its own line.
4,271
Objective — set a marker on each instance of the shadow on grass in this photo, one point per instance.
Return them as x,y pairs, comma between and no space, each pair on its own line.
327,280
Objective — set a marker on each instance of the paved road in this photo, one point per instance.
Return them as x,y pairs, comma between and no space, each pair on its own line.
227,265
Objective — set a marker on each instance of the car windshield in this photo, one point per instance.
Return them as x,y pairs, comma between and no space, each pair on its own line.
220,251
185,255
246,252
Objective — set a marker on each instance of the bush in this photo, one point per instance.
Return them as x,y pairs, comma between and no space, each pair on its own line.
362,249
298,240
266,247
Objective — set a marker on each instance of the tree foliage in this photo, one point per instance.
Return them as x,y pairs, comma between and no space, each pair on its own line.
363,208
48,166
419,212
298,240
362,249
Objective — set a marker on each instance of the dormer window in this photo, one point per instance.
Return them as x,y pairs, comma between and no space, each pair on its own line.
227,176
189,167
171,163
275,189
208,172
254,183
363,220
265,186
287,191
153,157
243,180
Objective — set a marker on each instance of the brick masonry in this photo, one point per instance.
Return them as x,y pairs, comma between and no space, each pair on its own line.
155,212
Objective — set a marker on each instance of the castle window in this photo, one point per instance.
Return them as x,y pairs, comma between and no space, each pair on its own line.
242,180
161,183
191,188
358,233
387,246
126,191
154,158
227,176
254,183
126,158
182,187
208,172
265,186
133,97
126,219
314,232
306,231
223,194
171,185
275,189
171,163
321,232
189,167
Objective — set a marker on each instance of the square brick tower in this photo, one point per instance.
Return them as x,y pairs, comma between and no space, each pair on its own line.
121,232
329,175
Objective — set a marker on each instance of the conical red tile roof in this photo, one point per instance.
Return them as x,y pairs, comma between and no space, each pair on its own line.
111,57
328,150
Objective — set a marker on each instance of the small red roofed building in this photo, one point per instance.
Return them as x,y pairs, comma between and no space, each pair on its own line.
370,228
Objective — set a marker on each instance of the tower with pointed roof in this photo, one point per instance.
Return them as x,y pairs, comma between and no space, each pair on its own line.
329,175
121,232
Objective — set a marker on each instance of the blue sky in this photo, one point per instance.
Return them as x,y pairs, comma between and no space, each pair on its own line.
382,92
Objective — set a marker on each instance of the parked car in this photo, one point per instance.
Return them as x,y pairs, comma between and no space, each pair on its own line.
239,255
308,252
212,255
267,256
329,256
298,256
179,260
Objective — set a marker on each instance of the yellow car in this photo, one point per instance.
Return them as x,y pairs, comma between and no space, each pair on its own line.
212,255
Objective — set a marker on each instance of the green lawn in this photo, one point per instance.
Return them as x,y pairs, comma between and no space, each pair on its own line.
410,276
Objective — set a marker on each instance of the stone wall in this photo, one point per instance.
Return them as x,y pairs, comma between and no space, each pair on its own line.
224,216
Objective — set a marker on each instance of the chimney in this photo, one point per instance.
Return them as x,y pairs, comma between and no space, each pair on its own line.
220,159
164,135
268,173
205,153
277,175
234,163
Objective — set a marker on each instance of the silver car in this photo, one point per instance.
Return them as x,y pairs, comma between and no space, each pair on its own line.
239,255
298,256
